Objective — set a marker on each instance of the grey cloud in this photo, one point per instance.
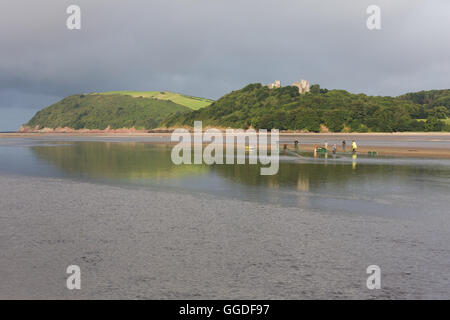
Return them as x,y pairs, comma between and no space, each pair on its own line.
209,47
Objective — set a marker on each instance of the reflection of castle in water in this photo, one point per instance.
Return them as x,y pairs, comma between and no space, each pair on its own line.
153,162
303,183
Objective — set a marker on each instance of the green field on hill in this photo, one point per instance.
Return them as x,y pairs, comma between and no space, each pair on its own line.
95,111
193,103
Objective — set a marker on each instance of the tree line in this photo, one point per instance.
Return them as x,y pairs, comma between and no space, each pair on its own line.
284,108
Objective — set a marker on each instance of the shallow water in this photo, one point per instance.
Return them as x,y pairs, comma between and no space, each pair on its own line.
221,231
397,187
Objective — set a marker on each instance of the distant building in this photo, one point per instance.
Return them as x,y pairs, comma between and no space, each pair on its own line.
276,84
303,86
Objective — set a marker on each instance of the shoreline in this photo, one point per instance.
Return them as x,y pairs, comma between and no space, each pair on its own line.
405,141
155,134
439,153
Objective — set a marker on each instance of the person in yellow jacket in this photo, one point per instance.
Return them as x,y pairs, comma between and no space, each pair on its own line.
354,146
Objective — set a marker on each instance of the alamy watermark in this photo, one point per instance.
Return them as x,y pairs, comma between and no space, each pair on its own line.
73,22
73,281
374,20
374,280
236,142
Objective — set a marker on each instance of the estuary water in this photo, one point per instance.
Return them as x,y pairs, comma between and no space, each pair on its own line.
405,200
397,187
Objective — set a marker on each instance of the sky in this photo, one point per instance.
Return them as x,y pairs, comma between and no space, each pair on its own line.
208,48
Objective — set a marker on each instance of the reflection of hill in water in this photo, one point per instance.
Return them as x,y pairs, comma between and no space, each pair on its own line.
137,160
319,176
128,160
299,176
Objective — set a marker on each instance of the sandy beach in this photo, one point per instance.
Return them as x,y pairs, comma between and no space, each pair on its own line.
419,152
134,244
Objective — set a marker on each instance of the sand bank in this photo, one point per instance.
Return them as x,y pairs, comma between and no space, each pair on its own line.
419,152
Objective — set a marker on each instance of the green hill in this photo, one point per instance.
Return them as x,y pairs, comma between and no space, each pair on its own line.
254,106
98,111
284,108
194,103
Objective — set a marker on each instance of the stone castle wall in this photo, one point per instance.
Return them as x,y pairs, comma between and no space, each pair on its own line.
302,85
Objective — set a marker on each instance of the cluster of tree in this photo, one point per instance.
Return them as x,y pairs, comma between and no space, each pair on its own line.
95,111
284,108
259,107
432,103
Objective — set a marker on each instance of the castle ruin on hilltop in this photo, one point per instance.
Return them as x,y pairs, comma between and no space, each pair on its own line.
276,84
302,85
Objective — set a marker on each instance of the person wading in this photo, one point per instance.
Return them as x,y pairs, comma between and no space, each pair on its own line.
354,146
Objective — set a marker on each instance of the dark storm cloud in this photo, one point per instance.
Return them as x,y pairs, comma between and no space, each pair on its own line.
209,47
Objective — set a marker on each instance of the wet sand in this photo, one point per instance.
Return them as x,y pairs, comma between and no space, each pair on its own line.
417,152
136,243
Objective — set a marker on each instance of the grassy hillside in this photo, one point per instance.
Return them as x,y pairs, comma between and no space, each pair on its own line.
95,111
193,103
253,106
284,108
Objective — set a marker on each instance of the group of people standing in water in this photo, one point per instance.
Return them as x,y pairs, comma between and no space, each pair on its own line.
354,146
